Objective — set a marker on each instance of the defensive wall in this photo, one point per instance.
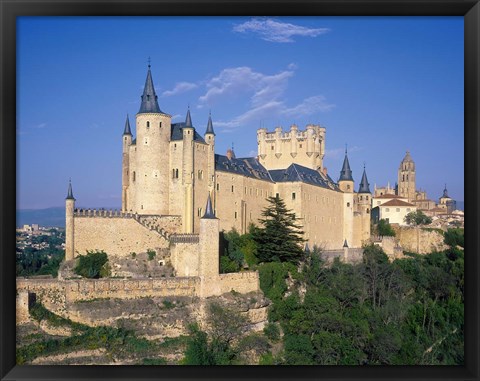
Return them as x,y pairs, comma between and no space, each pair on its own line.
120,233
57,294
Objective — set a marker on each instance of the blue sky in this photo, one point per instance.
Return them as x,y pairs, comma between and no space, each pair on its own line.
383,85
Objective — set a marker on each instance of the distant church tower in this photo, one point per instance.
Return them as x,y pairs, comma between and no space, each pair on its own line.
406,178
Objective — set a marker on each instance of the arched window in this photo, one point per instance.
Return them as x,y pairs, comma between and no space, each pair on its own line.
176,173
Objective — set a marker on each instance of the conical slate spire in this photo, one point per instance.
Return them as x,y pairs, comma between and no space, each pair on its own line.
307,249
210,126
149,97
209,213
364,185
345,244
407,157
188,119
346,172
70,192
127,130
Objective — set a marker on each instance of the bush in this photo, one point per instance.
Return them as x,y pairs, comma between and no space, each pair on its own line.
272,331
151,254
385,229
94,265
272,279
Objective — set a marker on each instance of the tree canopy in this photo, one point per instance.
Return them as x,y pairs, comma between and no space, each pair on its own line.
417,218
280,237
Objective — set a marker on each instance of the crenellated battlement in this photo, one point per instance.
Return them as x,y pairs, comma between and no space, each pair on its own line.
279,149
185,238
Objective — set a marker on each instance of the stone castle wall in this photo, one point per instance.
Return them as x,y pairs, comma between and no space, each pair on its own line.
118,236
425,242
242,282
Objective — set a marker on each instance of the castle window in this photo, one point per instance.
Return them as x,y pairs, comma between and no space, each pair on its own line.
133,178
148,124
367,198
142,207
272,148
200,174
293,196
348,186
218,186
160,125
235,215
199,212
277,195
348,204
176,173
232,188
398,209
387,209
408,209
361,197
368,211
300,146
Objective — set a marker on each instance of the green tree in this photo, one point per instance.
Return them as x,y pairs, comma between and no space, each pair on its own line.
93,265
280,238
384,229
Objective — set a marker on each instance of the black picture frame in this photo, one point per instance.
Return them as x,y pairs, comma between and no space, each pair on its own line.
10,9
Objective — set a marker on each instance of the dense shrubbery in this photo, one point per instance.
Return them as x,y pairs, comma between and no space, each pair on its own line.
93,265
375,312
385,229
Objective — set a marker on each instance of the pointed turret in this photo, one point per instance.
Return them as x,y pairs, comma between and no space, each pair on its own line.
209,213
345,244
346,172
209,126
364,185
149,97
407,158
188,119
70,192
127,130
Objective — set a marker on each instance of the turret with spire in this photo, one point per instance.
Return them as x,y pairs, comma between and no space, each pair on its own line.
69,223
210,140
188,157
364,185
345,181
149,97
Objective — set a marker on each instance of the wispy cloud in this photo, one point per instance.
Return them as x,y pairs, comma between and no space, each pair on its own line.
180,87
243,80
336,153
309,106
176,116
40,125
277,31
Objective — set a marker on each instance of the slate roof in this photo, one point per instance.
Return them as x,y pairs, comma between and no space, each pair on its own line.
209,213
364,185
149,98
249,167
210,126
346,172
296,172
396,203
70,192
177,133
127,130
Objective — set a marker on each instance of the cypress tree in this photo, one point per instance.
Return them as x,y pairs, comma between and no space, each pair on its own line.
280,238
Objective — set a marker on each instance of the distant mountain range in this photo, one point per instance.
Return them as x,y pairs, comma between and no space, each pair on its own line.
50,217
55,217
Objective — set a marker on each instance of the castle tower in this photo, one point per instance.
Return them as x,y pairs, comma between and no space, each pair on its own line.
127,141
406,178
346,184
69,224
153,135
210,140
364,205
278,149
209,268
188,173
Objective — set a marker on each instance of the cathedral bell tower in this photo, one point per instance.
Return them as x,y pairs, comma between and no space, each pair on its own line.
406,178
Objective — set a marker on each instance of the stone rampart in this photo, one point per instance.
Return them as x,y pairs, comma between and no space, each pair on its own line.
119,236
241,282
419,240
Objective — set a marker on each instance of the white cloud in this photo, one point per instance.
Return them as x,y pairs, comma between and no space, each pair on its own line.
262,94
180,87
309,106
240,80
276,31
40,125
336,153
176,116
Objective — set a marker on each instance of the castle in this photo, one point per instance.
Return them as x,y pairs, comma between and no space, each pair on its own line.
169,171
